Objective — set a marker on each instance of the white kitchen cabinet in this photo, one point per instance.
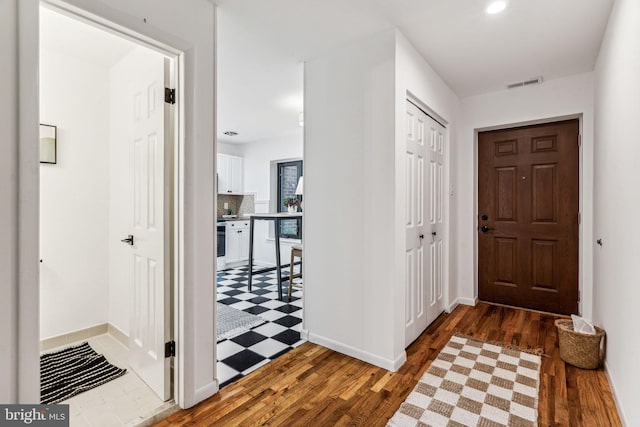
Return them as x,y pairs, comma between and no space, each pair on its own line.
237,242
230,172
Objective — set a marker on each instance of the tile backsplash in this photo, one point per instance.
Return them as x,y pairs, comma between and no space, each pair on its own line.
239,204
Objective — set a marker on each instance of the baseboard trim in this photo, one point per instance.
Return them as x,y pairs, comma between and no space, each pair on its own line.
365,356
205,392
399,361
462,301
616,397
72,337
304,334
85,334
119,335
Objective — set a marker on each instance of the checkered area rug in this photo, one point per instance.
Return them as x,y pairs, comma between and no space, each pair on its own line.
473,383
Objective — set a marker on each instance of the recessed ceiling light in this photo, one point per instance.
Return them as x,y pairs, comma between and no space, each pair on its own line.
230,133
496,7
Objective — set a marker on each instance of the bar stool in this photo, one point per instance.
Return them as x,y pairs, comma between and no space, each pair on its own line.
296,252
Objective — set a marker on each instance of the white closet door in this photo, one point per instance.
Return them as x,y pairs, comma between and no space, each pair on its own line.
424,222
416,265
436,227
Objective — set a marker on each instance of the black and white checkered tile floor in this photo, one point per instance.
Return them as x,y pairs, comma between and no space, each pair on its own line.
242,354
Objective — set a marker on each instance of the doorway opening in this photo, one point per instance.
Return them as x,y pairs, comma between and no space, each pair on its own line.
529,216
106,214
260,171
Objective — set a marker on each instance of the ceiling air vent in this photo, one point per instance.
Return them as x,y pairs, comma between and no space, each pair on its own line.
533,81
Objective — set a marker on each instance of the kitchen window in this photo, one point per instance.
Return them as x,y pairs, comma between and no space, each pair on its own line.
288,175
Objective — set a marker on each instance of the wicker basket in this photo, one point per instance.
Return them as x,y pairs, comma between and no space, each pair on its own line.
578,349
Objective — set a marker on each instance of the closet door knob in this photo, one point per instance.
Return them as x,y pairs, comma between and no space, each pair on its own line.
128,240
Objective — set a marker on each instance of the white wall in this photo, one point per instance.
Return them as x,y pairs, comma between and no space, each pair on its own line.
617,202
258,157
119,131
74,195
258,179
566,97
416,77
232,149
349,192
186,27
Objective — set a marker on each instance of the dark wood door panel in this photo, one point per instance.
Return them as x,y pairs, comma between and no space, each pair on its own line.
528,191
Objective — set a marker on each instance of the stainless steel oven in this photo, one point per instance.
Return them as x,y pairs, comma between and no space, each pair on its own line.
221,232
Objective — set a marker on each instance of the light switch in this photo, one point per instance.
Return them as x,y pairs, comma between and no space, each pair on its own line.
226,205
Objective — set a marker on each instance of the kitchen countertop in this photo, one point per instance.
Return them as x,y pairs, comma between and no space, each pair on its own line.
274,215
247,217
240,218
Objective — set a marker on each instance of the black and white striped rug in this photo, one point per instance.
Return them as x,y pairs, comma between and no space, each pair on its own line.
67,372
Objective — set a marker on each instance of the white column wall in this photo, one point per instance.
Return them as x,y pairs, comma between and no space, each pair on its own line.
617,202
568,97
19,348
349,193
9,133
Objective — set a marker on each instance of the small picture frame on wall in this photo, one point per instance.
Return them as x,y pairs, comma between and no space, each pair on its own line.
48,141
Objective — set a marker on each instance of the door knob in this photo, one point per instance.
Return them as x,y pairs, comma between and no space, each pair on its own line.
433,233
421,236
128,240
484,229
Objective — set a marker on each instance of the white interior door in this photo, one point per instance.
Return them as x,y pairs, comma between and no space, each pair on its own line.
436,194
150,222
424,222
416,225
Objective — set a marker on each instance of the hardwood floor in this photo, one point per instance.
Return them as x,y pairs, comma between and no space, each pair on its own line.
314,386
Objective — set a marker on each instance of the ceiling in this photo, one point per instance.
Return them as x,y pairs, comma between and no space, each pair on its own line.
62,34
263,42
262,45
259,86
476,53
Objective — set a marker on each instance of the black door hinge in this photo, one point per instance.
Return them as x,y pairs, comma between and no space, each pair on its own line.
169,95
170,349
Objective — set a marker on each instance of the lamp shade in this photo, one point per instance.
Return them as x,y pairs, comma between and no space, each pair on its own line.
300,186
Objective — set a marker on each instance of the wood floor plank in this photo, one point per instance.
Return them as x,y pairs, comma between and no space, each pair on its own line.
315,386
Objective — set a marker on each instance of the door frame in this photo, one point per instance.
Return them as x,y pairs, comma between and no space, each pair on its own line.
585,196
175,194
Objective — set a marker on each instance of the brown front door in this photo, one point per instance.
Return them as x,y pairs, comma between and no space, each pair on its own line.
528,216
